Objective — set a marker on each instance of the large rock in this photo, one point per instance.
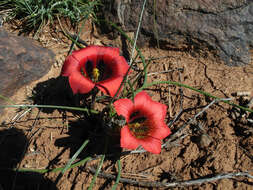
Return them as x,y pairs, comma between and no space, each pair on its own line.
223,26
21,62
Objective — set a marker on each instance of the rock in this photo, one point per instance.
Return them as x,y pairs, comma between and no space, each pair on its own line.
224,27
21,62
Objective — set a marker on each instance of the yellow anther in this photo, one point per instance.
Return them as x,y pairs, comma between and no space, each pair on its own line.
95,74
137,125
134,125
139,130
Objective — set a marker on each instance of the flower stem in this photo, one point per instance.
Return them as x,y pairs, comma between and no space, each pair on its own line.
50,106
194,89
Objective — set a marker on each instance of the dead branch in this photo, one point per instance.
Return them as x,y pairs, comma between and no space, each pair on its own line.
163,72
180,132
174,184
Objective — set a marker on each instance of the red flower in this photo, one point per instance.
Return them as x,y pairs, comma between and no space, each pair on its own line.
145,123
92,66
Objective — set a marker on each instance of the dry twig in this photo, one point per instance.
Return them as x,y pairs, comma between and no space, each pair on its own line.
179,133
163,72
177,183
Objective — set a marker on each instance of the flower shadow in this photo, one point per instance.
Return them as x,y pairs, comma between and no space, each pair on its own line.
101,139
13,144
57,92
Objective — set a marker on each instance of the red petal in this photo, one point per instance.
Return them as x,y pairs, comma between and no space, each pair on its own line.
93,53
150,144
80,84
143,102
110,86
70,65
160,130
127,140
142,98
112,51
159,111
107,54
123,107
119,66
90,52
156,113
113,60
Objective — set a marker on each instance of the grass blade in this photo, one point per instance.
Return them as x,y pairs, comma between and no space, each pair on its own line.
114,187
137,49
99,166
49,106
137,32
6,99
42,171
97,172
194,89
74,156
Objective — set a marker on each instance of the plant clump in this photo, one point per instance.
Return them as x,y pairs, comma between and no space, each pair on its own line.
33,15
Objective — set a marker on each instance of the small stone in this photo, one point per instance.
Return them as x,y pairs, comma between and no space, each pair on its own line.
32,149
55,64
205,140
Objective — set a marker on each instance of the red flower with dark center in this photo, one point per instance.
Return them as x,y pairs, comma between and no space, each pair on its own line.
92,66
145,123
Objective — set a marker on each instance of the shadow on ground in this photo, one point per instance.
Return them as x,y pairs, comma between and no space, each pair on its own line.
92,127
57,92
13,145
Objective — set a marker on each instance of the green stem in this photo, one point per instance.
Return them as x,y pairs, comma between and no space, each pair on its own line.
6,99
138,51
114,187
75,156
77,37
97,172
194,89
82,162
99,166
50,106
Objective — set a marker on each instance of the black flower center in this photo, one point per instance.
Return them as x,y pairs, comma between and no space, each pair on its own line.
97,73
139,125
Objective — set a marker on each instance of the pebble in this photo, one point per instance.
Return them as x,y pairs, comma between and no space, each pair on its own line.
205,140
58,63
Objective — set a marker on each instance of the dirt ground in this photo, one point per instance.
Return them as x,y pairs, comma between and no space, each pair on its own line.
219,141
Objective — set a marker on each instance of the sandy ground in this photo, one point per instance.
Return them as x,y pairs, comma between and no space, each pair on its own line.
219,141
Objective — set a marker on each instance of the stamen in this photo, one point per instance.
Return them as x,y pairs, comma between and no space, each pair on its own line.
95,74
139,130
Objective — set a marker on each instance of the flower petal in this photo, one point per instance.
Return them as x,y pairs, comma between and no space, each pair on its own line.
159,111
159,130
85,54
155,112
111,51
144,102
120,66
123,107
80,84
76,63
150,144
110,86
127,140
70,65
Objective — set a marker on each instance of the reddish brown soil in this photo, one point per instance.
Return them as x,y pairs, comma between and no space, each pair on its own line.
225,144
